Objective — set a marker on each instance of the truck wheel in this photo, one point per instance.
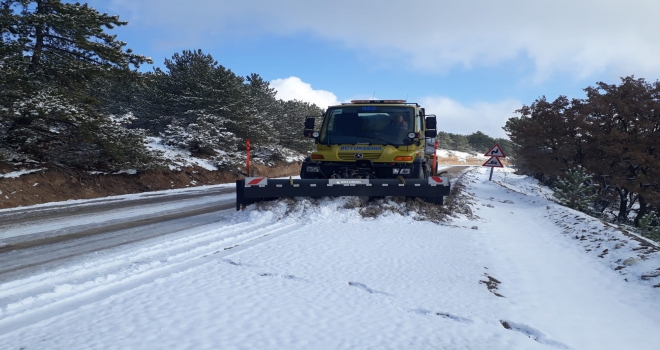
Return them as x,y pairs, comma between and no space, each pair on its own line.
419,171
303,171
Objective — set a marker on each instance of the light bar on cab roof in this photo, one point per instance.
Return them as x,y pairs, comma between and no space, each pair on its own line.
378,101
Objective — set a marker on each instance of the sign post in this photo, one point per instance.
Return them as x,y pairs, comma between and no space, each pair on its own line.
495,154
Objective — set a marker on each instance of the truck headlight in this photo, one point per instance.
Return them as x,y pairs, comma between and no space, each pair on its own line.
405,171
395,171
313,169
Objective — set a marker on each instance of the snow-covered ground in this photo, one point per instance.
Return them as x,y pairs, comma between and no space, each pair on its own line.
177,158
521,273
15,174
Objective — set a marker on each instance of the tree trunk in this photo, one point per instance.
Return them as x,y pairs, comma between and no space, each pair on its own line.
39,40
643,209
623,204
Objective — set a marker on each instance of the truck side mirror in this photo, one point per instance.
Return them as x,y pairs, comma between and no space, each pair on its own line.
431,133
309,123
431,123
309,127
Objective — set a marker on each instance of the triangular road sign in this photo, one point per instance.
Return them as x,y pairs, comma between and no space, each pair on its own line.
494,162
496,151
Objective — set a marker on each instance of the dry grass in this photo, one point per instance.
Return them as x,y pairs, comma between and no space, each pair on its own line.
279,170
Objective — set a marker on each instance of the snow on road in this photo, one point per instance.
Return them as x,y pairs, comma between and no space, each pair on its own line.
523,273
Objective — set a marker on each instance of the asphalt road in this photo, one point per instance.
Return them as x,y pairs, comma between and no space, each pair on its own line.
36,239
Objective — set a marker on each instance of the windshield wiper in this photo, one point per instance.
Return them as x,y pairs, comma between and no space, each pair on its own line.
386,142
378,138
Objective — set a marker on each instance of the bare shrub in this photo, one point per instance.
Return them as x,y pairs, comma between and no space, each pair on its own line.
279,169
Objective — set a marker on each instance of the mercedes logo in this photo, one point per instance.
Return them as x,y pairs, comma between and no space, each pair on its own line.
358,155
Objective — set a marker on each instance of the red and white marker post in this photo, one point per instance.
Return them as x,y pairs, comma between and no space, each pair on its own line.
495,154
435,162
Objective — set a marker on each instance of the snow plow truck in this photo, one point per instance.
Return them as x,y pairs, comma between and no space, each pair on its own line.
374,148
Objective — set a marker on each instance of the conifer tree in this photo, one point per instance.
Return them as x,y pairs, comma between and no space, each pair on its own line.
51,52
259,112
575,189
199,104
290,121
460,143
444,140
480,142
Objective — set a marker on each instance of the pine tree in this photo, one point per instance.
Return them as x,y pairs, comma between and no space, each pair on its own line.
460,143
195,104
444,140
202,137
575,189
259,111
51,52
480,142
289,124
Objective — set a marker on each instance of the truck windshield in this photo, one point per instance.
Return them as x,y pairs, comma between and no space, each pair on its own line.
368,124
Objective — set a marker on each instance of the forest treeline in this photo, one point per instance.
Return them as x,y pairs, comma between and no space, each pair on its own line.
477,142
613,135
72,95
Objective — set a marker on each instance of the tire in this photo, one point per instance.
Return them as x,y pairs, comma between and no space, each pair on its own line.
303,171
306,175
419,171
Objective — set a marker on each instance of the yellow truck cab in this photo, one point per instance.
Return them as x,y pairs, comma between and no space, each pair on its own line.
371,139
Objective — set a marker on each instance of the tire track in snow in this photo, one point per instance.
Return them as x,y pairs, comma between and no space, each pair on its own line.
137,257
383,297
37,298
364,287
144,220
441,314
532,333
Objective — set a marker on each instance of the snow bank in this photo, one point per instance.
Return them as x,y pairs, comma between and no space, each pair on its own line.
15,174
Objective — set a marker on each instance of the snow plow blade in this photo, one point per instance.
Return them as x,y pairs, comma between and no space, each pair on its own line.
258,189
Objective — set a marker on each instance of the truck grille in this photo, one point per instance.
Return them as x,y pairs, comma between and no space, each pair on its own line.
351,156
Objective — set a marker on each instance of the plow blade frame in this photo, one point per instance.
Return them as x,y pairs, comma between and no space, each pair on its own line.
281,188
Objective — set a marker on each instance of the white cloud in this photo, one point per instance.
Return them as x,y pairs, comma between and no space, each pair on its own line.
456,118
453,117
581,37
292,88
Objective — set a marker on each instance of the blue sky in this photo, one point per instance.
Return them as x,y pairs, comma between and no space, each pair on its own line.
472,63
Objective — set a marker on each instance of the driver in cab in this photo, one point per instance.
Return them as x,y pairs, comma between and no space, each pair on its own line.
397,125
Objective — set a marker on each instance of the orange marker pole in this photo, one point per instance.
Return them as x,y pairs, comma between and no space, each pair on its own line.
434,171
